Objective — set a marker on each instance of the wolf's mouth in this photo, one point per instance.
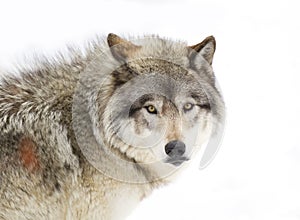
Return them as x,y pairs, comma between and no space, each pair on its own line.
176,161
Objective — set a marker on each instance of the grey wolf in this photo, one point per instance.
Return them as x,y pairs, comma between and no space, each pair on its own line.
91,135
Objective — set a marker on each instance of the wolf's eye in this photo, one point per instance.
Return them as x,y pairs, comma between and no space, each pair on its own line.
151,109
188,106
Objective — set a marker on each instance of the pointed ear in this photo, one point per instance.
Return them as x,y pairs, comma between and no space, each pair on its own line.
206,48
120,48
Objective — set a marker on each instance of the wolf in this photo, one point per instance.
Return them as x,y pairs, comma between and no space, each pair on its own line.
90,135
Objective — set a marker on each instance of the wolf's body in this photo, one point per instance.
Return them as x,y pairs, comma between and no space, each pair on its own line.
45,172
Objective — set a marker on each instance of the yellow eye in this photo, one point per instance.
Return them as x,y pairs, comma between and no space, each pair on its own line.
188,106
151,109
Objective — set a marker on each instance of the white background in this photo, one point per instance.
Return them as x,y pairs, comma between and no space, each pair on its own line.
256,174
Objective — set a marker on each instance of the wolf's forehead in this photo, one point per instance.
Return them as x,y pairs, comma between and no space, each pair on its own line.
145,65
157,85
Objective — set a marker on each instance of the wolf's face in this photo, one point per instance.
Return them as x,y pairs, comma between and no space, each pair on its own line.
158,104
167,124
168,128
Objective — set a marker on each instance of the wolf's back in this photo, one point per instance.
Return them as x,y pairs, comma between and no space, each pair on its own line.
36,158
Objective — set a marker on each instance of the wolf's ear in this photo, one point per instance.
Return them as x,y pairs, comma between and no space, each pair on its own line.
121,49
206,48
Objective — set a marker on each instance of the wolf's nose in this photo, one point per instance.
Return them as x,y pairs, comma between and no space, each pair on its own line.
175,149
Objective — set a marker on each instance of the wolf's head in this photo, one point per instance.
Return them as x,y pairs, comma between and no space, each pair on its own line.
156,102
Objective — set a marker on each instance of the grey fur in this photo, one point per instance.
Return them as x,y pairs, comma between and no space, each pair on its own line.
45,137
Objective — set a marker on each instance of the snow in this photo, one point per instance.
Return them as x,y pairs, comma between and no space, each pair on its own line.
255,175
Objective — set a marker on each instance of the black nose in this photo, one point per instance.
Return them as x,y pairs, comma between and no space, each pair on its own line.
175,149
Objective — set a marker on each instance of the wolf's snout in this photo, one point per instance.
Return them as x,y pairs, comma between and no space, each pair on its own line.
175,149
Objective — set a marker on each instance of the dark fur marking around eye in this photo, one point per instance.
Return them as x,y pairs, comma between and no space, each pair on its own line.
205,106
133,110
138,104
202,101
